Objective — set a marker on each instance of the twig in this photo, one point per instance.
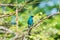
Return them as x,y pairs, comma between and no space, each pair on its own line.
11,14
7,4
5,29
7,15
17,19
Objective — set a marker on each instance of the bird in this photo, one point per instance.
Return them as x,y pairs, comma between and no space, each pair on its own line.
30,21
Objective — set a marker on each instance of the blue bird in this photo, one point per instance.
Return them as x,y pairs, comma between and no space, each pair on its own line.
30,21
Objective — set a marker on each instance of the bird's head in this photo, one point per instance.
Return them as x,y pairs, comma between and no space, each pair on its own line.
32,16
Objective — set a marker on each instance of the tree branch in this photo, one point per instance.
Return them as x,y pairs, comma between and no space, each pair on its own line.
5,30
7,4
7,15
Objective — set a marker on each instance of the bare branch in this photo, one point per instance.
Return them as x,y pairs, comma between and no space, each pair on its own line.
5,29
7,15
17,19
7,4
